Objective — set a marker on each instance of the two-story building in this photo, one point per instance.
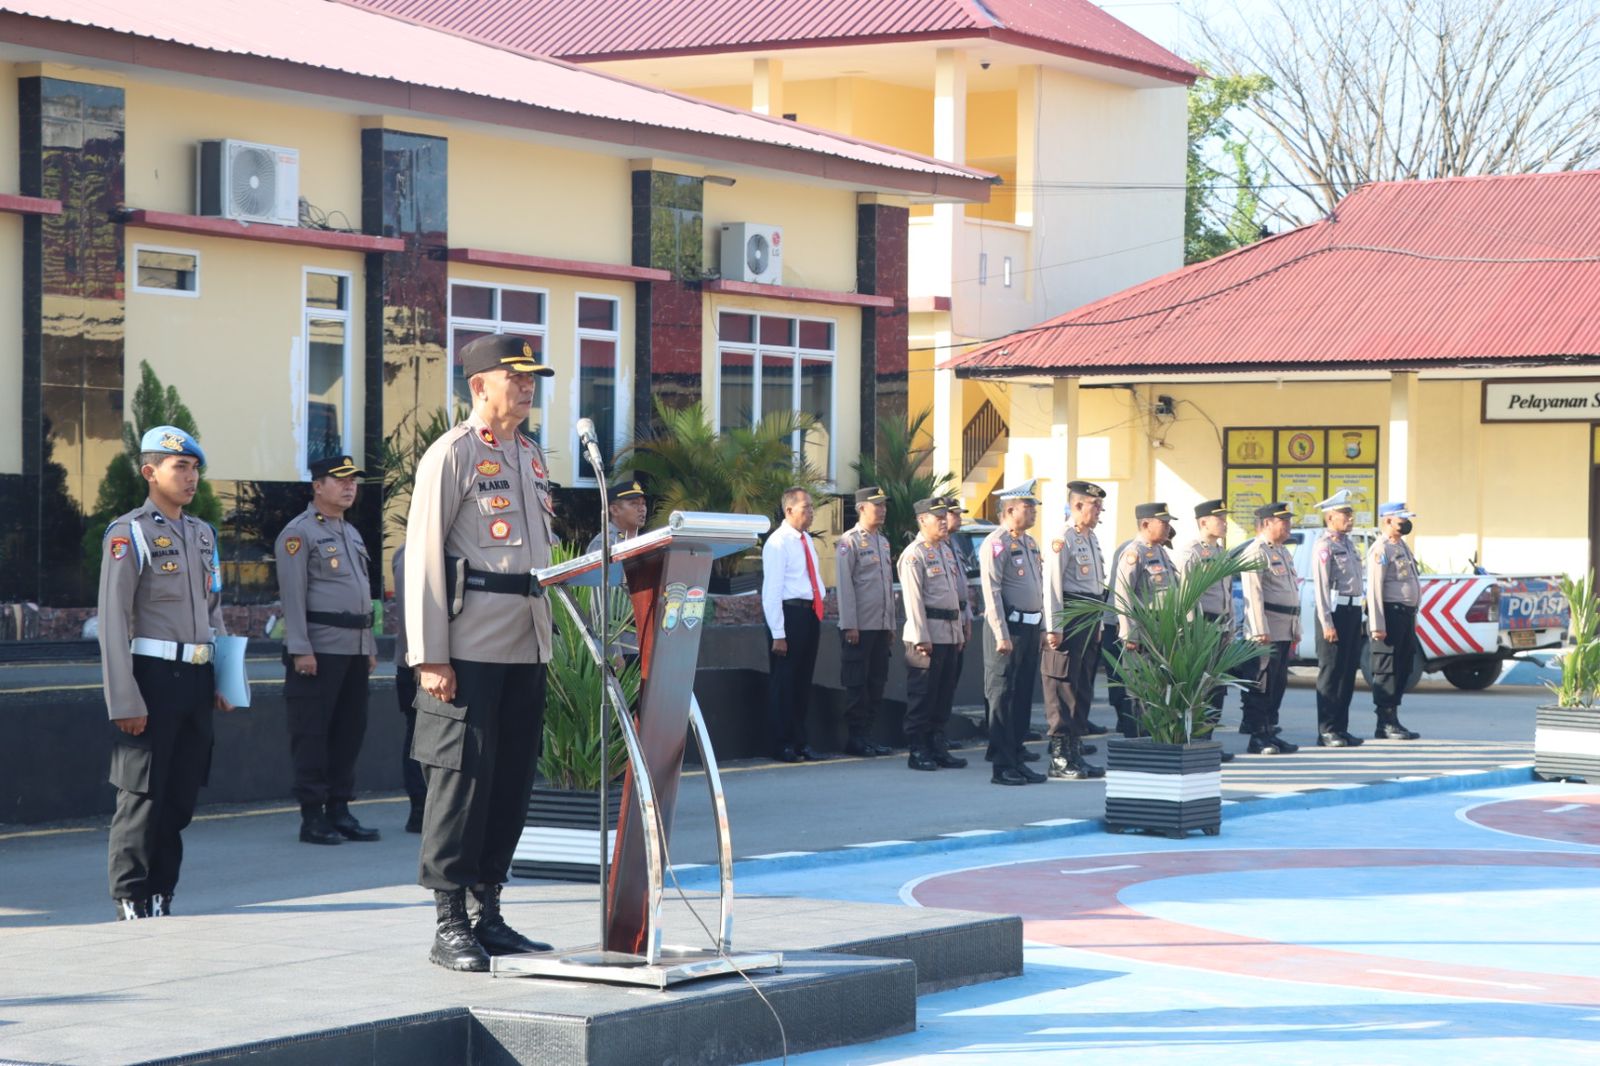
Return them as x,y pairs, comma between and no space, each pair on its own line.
1083,119
297,211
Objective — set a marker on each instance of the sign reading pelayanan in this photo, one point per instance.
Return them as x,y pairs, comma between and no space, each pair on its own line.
1542,400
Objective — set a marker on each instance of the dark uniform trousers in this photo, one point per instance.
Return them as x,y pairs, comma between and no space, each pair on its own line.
1262,699
931,693
863,671
158,775
1008,689
1336,670
1391,661
479,754
789,676
405,691
1068,680
327,717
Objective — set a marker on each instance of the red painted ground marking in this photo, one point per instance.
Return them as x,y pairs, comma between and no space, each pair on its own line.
1086,913
1543,818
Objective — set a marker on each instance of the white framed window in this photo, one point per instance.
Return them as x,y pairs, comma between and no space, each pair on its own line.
778,363
166,271
478,309
1005,272
983,268
600,391
325,371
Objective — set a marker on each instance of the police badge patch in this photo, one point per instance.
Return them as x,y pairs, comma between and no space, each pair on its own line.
292,545
119,547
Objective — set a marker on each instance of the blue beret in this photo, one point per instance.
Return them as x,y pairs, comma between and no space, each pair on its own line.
172,441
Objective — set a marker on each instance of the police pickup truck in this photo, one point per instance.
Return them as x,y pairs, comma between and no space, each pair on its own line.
1467,624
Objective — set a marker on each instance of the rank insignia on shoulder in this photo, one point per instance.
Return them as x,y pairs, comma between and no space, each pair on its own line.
538,468
292,545
162,542
487,436
169,566
488,468
119,547
499,529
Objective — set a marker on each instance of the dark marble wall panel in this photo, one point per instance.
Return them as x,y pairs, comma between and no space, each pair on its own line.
404,193
882,233
668,234
72,148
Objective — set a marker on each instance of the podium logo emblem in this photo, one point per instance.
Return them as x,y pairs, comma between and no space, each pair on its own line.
694,607
672,612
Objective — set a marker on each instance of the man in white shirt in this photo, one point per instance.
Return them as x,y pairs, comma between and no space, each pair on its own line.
791,600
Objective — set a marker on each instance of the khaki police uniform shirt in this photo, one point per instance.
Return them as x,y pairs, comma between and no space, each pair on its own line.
927,579
1391,578
959,569
486,501
158,579
866,581
1144,574
1218,599
1335,571
322,566
1275,583
1010,572
1077,570
399,566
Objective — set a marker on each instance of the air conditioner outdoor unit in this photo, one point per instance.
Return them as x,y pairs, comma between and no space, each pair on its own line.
752,252
248,182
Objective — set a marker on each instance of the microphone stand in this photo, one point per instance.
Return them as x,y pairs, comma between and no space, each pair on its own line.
603,612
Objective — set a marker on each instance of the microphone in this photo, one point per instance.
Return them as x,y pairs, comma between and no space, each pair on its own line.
591,446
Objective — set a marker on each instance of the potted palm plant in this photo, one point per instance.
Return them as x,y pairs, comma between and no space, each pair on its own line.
1169,781
561,837
689,465
1566,738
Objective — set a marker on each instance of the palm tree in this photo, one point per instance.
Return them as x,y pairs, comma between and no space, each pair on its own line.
689,466
899,469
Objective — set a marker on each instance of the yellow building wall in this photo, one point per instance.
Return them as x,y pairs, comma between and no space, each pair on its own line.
560,397
508,195
1516,496
164,123
730,95
992,146
233,352
891,114
819,228
10,178
824,102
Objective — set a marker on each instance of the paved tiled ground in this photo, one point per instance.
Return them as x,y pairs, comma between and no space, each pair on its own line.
1448,928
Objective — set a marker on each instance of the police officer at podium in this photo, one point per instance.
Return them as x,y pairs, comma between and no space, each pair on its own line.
478,630
329,651
160,607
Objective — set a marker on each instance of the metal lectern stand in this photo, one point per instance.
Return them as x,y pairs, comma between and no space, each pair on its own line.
666,573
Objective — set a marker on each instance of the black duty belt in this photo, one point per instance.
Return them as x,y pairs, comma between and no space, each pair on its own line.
1280,608
509,584
1400,607
1210,617
340,619
1100,598
942,614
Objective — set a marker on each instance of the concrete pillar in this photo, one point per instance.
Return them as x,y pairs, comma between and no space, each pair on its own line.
766,87
1402,459
947,424
949,144
1027,143
1061,465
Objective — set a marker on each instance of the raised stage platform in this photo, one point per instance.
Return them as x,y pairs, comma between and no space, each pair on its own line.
343,979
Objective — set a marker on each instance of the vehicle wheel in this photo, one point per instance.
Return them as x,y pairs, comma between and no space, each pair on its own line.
1473,674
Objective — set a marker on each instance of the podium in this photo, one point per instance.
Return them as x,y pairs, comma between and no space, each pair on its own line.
665,573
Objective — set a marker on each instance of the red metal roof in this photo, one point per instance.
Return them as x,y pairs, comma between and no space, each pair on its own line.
418,64
1410,273
591,30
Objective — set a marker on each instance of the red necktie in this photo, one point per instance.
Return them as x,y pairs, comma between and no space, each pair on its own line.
811,572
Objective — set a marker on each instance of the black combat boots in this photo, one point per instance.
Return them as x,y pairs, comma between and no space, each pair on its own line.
314,826
454,946
491,929
344,823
